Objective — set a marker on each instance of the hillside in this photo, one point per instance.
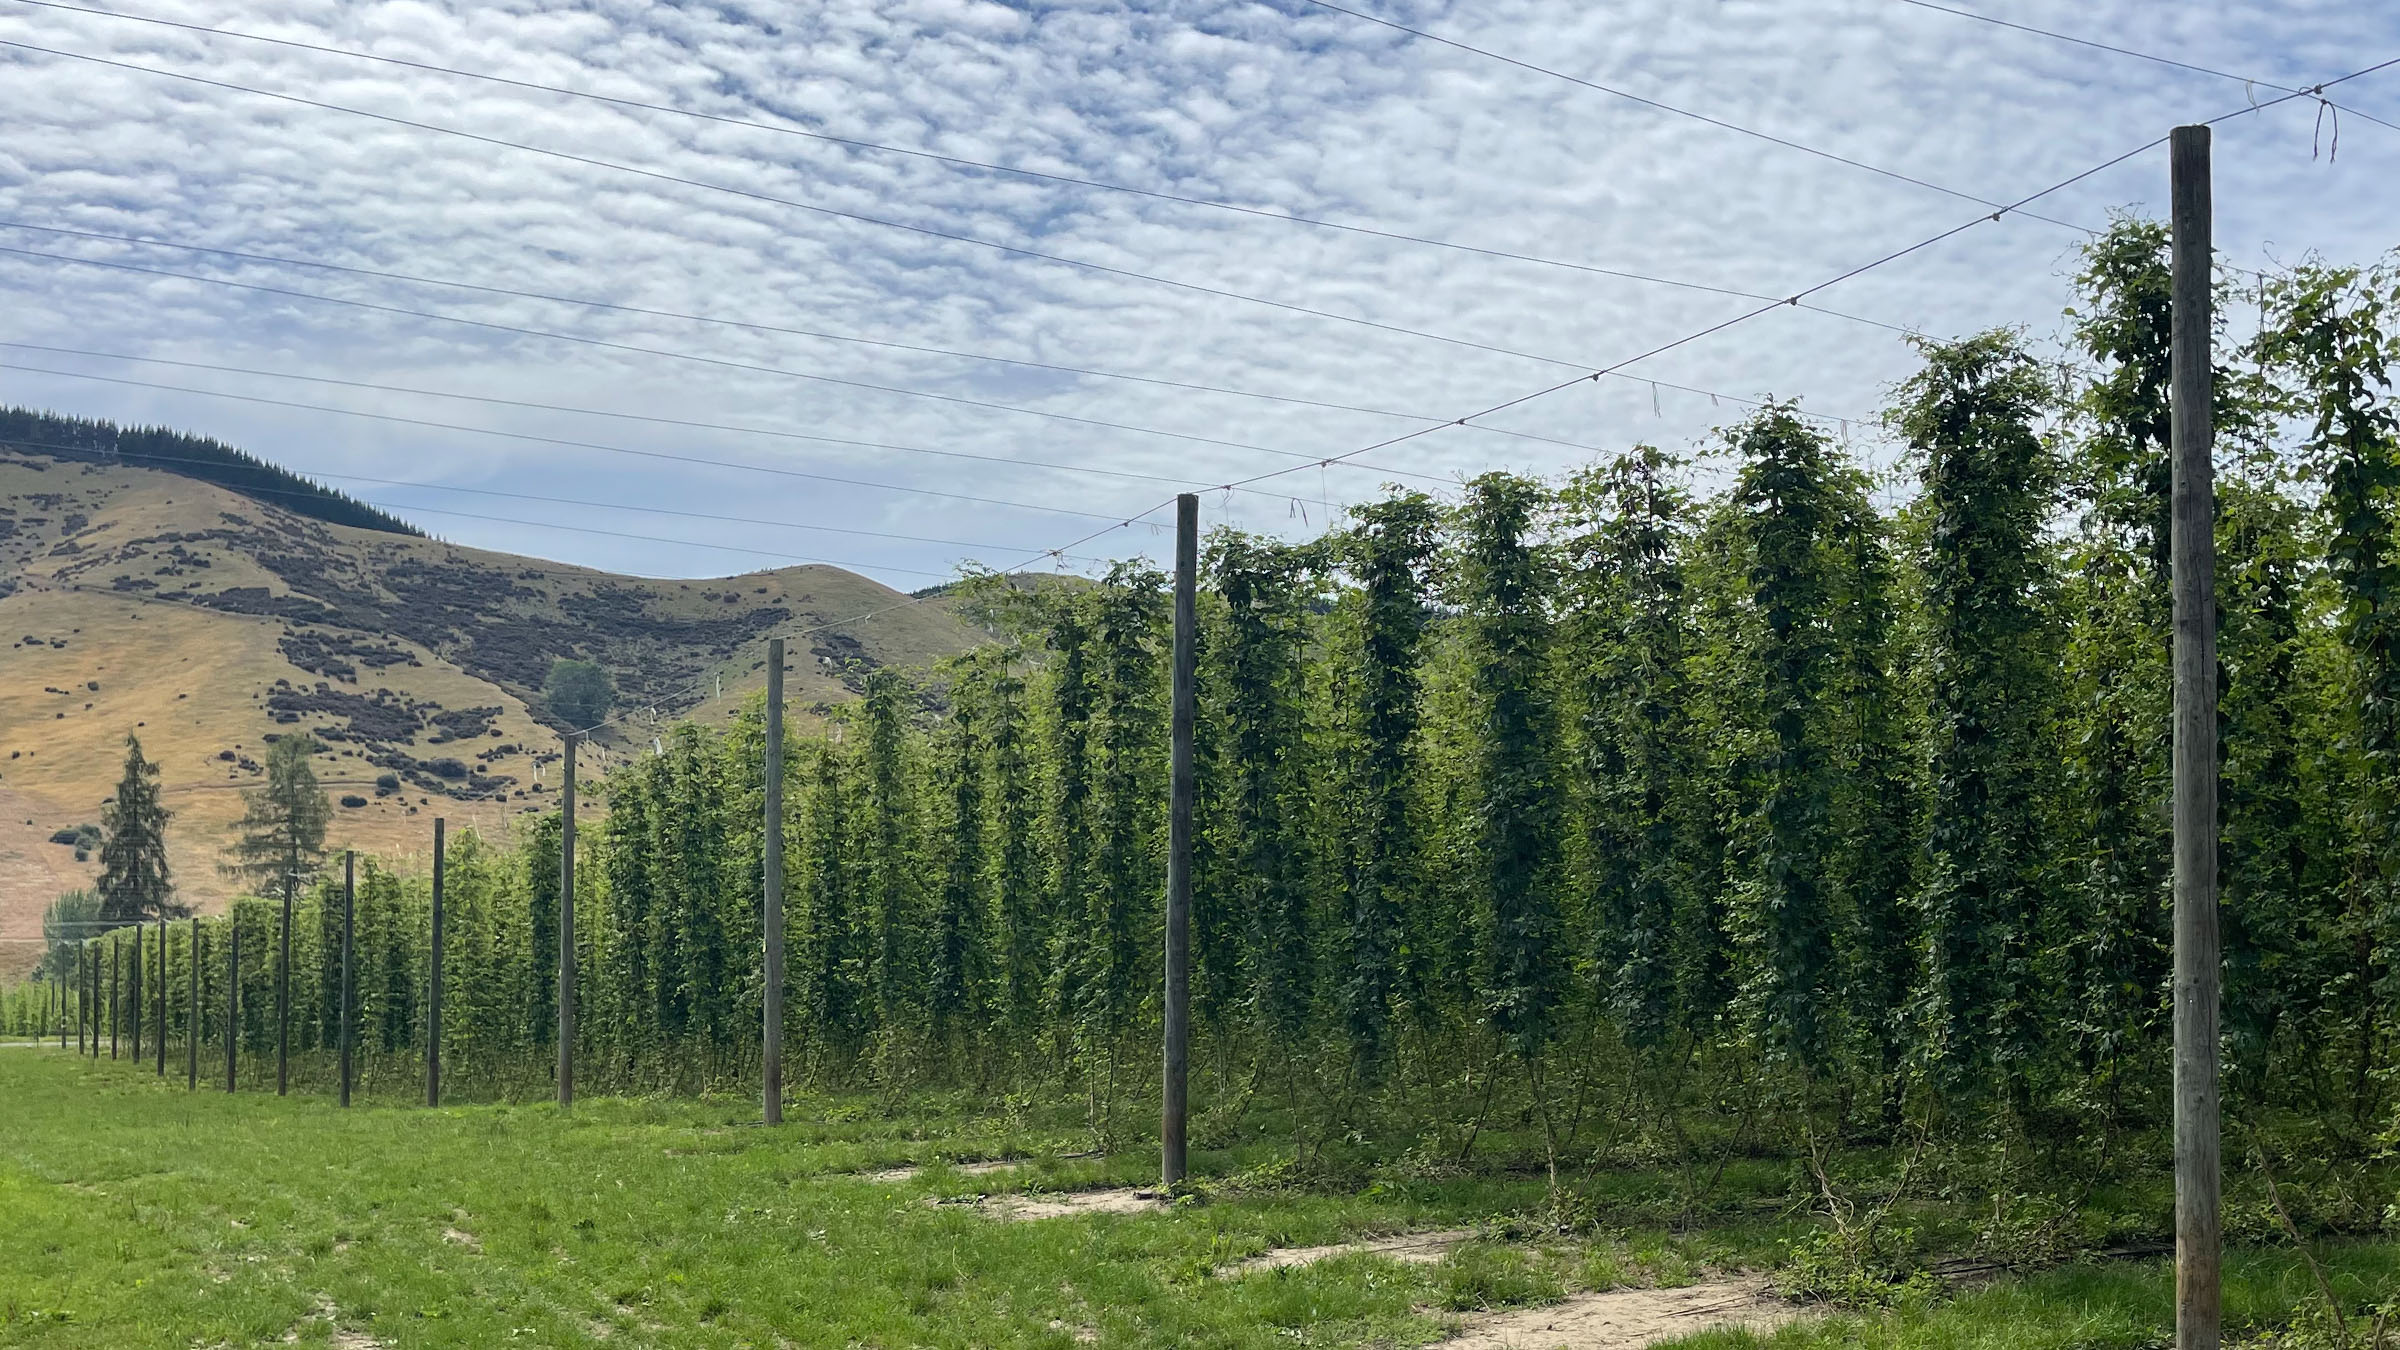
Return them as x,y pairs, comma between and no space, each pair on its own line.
139,600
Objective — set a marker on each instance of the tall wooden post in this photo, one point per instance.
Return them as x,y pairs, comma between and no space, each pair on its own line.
2198,1240
772,895
566,929
116,988
233,988
1174,1105
133,994
191,1037
283,990
433,982
349,968
87,1026
158,1022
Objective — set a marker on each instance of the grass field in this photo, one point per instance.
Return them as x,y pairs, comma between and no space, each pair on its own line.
138,1215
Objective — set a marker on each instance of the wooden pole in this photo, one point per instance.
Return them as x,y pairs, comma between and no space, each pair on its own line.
566,930
2198,1138
159,1018
349,968
133,993
772,1053
283,989
116,988
433,982
233,988
191,1036
1174,1104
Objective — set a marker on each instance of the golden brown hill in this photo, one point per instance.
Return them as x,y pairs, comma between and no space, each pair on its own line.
135,600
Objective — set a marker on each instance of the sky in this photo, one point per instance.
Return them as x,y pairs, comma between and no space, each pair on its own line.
703,347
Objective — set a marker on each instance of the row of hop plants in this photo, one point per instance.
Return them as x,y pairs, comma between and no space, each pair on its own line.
1598,801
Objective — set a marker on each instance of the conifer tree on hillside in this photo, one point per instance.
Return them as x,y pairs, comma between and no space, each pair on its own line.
134,883
282,829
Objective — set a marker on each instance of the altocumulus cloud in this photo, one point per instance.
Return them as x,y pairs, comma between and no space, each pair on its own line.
1287,107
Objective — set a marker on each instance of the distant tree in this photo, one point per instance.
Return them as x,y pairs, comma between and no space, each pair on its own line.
134,884
580,693
282,831
69,919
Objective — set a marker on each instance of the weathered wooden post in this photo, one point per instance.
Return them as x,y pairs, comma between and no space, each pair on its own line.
133,994
2198,1138
159,1024
1174,1103
191,1039
349,999
433,982
233,988
772,893
566,930
116,988
283,990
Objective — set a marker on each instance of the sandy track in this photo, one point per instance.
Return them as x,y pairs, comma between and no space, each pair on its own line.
1627,1319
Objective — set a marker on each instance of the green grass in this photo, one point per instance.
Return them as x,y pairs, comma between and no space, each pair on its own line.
137,1215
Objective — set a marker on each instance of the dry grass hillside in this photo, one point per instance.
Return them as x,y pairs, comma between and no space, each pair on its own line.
139,601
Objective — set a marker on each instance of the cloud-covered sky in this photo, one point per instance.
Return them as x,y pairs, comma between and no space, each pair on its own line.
982,447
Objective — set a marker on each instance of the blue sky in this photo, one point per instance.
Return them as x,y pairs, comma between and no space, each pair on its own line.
1286,107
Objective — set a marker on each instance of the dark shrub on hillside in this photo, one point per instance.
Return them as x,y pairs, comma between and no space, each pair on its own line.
447,768
353,799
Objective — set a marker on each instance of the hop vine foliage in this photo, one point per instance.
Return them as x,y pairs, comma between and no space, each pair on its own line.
1791,506
1389,550
1609,798
1632,638
1504,583
1970,415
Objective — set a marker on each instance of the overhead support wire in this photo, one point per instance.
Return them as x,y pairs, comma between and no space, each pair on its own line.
144,458
1718,122
531,405
891,344
724,363
1797,296
2310,91
927,231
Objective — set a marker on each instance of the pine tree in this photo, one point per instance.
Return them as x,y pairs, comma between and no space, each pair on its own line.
134,882
282,829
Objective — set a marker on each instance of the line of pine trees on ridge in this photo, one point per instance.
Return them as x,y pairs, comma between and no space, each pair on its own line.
1594,786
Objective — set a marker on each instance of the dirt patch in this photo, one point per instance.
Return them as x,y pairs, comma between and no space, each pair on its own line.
966,1169
1413,1248
463,1239
1628,1319
1067,1204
